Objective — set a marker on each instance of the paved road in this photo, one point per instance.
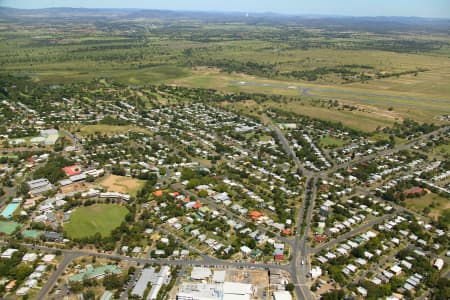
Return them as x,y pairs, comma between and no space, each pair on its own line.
73,138
294,267
287,148
211,202
390,151
67,259
376,266
302,260
129,285
206,261
351,233
298,267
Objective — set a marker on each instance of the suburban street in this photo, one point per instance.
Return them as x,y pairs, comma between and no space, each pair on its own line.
298,267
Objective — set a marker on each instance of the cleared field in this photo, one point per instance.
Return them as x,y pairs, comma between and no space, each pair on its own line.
122,184
331,142
101,218
377,106
354,119
108,129
435,202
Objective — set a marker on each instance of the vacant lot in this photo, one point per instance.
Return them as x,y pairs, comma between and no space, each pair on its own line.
122,184
435,202
101,218
77,187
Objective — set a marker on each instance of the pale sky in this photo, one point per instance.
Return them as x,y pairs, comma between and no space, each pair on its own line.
419,8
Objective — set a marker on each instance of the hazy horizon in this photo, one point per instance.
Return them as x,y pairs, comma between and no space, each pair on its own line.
356,8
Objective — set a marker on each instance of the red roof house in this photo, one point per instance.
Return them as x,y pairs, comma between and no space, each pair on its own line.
287,231
158,193
319,238
413,191
197,205
256,214
174,194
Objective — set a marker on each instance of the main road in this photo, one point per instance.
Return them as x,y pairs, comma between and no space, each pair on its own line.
298,267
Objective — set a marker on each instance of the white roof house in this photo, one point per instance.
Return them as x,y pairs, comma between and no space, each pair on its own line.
48,258
315,272
362,291
8,253
439,263
29,257
246,250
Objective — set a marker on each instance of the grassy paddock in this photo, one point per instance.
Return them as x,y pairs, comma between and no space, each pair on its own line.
331,142
435,202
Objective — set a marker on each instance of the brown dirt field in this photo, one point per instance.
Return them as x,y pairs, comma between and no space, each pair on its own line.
121,184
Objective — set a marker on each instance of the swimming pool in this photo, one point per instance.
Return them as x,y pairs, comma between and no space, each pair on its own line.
9,210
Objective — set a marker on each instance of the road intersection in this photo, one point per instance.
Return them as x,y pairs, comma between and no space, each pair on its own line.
298,266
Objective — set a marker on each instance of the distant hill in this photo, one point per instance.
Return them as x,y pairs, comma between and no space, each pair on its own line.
337,23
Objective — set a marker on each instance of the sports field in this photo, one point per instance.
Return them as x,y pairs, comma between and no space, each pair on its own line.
331,142
88,220
8,227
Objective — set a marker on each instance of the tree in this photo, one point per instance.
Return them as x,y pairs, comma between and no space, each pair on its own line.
442,290
202,194
112,282
89,295
22,271
52,170
334,295
290,287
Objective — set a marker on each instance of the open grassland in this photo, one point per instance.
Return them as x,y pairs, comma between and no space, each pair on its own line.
354,119
434,202
385,76
386,107
88,220
122,184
